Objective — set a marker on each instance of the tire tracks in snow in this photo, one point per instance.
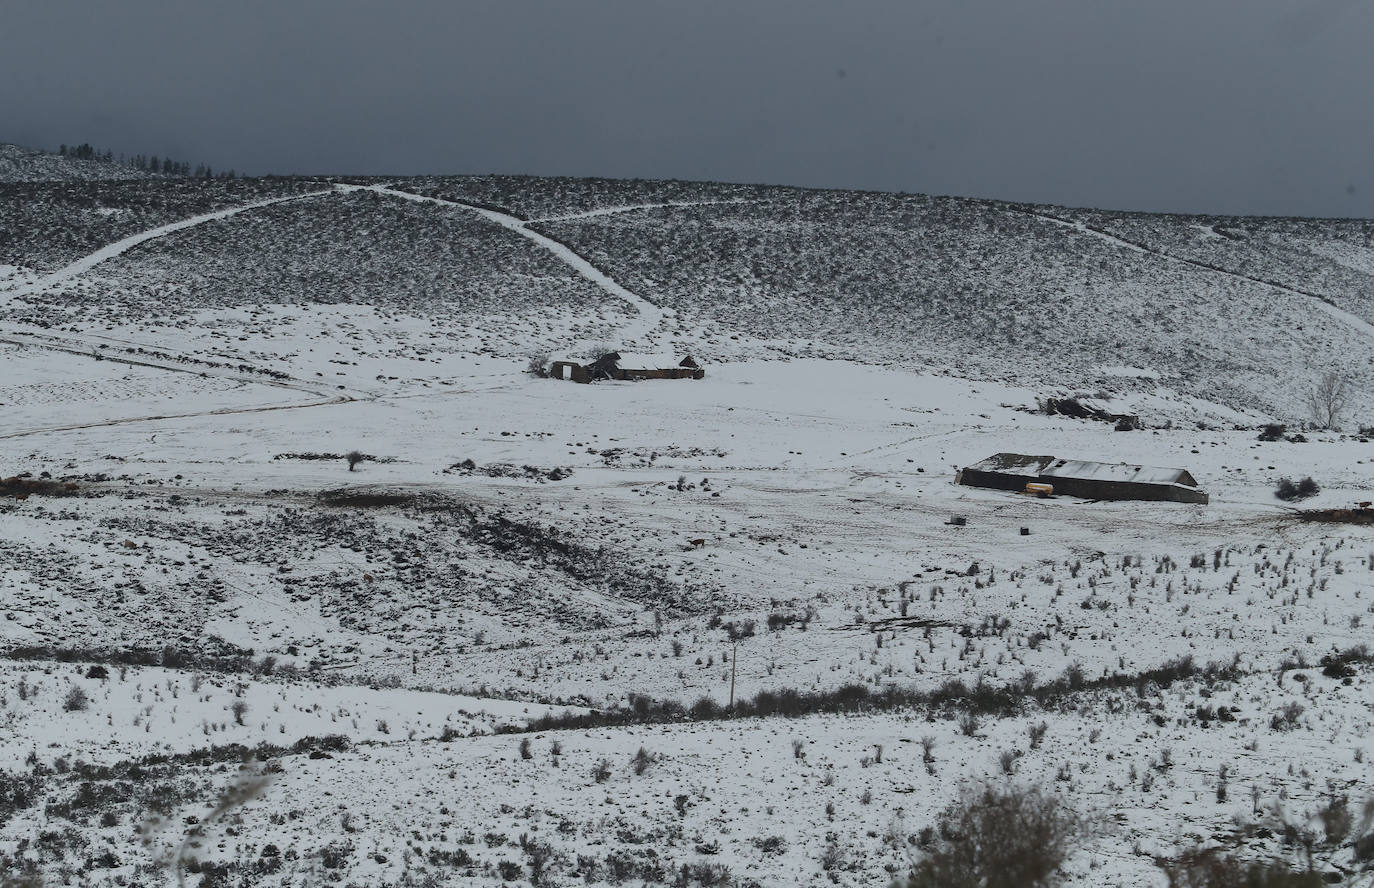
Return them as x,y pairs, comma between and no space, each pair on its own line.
323,397
651,316
1324,303
81,348
223,411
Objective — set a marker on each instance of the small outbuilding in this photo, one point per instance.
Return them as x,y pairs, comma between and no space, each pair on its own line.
614,365
1082,478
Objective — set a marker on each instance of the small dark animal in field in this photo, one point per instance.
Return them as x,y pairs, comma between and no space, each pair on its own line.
697,544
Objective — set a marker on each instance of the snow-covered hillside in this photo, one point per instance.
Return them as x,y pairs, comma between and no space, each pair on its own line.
276,484
1246,312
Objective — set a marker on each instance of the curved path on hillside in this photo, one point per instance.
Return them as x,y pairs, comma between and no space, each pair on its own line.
630,208
160,359
651,316
1323,303
110,251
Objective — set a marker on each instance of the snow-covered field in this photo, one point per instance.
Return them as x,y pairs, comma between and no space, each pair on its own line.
219,579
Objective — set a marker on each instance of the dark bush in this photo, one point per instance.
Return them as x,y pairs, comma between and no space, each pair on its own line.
1212,869
995,837
76,700
1288,490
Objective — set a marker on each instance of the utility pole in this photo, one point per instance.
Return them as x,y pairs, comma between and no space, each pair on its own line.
734,666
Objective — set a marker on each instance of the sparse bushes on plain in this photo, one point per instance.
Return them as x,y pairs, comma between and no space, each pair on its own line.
1210,868
953,698
1310,847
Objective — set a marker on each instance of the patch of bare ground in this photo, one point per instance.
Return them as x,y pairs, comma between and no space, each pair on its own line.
1362,515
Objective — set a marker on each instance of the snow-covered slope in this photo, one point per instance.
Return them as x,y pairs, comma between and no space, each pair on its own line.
1246,312
290,494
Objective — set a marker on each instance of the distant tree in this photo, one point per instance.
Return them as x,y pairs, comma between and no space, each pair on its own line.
1329,399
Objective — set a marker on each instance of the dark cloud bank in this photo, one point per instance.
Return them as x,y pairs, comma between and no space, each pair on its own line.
1244,106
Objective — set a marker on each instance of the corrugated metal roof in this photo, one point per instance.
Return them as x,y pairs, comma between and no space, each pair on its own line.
648,361
1096,471
1087,470
1014,463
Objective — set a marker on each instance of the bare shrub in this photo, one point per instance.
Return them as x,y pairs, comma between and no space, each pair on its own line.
997,837
642,761
538,365
354,457
1286,719
76,700
541,859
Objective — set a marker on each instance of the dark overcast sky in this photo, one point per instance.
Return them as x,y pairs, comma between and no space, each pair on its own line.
1243,106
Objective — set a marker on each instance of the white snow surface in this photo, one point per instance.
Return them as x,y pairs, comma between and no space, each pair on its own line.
506,547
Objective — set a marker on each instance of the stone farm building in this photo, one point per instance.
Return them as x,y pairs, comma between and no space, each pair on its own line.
1081,478
615,365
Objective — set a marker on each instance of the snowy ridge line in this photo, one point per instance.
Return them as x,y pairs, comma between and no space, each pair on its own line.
110,251
630,208
1323,303
651,316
